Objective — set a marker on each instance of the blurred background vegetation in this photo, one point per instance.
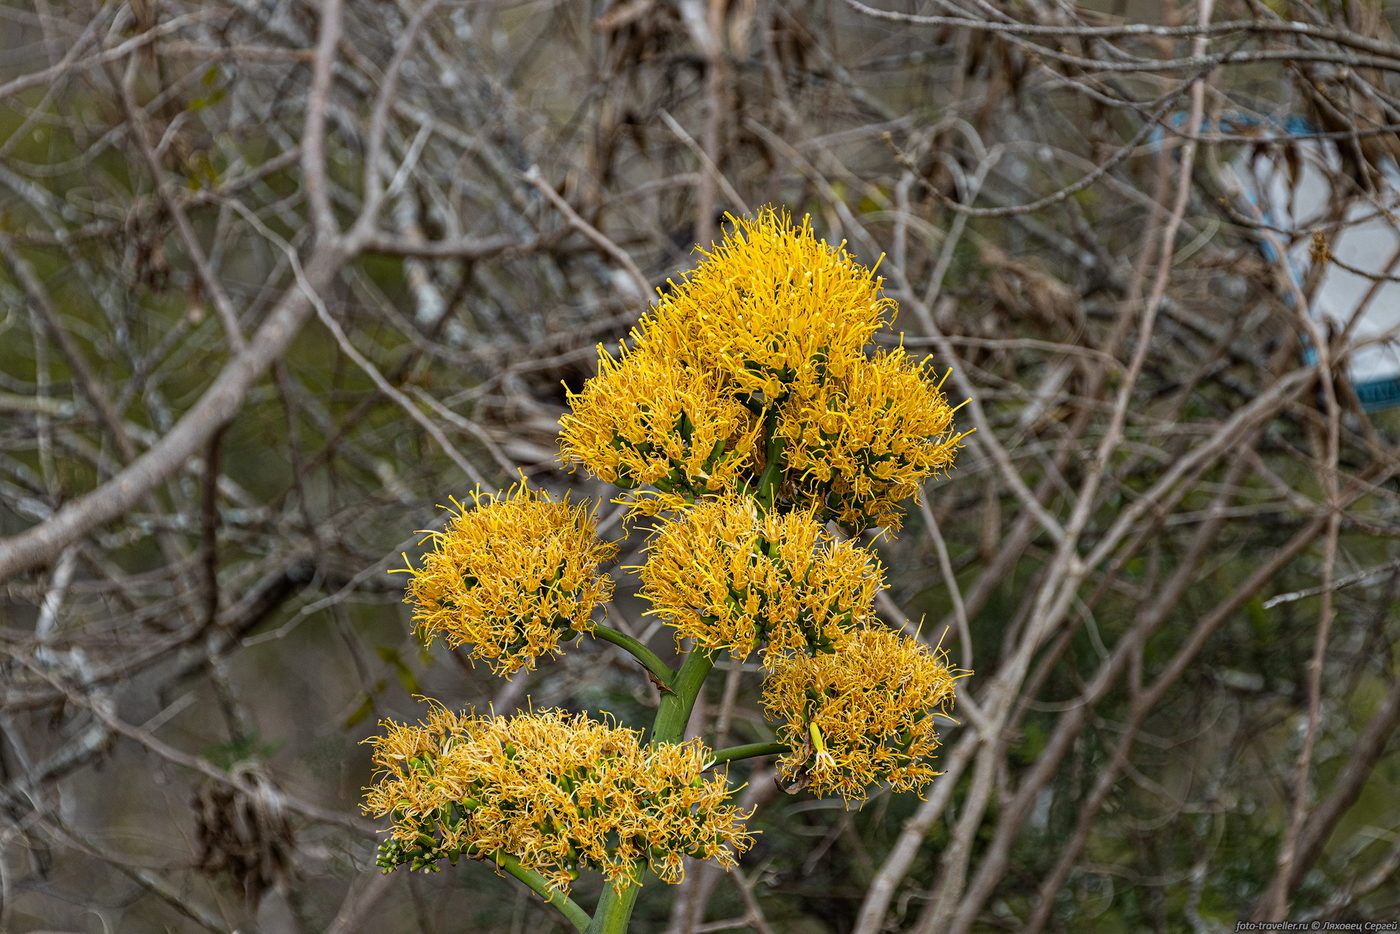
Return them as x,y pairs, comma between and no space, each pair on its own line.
278,276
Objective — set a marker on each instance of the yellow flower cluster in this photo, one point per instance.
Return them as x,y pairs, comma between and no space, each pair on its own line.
510,578
768,309
861,715
758,361
861,442
646,419
730,576
560,793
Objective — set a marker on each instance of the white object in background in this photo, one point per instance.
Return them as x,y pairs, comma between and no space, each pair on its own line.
1298,195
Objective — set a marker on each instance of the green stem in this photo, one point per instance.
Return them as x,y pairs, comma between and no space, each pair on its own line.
566,906
614,910
649,659
768,483
674,710
767,492
747,751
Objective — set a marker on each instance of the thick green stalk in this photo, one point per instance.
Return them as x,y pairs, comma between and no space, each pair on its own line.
768,483
614,908
776,463
674,709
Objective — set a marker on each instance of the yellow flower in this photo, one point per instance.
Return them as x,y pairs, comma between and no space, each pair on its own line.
861,715
758,357
645,419
769,308
730,577
560,793
861,442
510,578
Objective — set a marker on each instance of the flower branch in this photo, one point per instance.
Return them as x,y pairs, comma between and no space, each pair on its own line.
746,751
660,671
538,884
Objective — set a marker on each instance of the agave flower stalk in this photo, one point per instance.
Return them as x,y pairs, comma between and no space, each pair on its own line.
748,414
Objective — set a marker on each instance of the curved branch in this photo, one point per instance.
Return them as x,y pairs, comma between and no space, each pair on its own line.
649,659
564,904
